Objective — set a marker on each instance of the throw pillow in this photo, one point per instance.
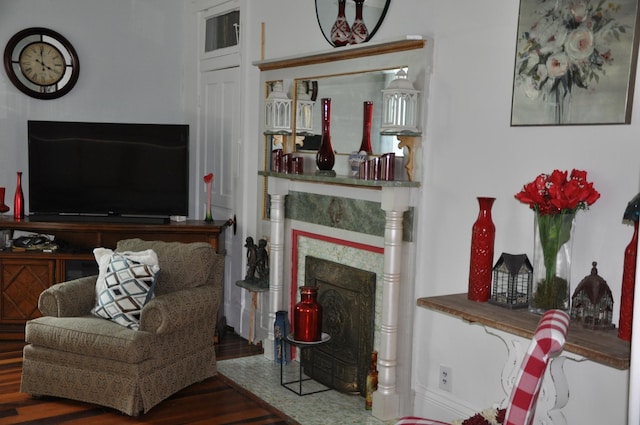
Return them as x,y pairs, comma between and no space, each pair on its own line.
126,282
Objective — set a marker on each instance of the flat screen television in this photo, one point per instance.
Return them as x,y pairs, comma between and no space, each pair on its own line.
122,172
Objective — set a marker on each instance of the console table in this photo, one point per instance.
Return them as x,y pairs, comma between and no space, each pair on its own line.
24,275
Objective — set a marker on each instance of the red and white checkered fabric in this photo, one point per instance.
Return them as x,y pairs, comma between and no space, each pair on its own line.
548,339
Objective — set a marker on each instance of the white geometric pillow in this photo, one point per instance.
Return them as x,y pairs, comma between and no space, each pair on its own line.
126,282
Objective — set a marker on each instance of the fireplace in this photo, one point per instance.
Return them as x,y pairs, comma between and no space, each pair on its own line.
347,297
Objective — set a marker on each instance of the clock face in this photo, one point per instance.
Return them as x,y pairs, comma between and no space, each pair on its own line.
41,63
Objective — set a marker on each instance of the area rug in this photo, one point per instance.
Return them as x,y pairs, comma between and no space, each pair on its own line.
261,377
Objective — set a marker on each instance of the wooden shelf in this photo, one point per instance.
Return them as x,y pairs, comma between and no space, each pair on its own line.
599,346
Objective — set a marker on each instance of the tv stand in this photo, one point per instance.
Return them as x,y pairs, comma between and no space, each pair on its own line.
95,218
24,275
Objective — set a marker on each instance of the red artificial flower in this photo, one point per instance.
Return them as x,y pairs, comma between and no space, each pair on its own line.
554,193
208,178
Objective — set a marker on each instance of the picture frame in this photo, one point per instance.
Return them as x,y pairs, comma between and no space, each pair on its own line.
575,62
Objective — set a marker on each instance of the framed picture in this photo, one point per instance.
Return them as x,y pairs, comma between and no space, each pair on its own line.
575,62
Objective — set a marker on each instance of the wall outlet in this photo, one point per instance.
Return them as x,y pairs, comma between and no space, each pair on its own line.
446,378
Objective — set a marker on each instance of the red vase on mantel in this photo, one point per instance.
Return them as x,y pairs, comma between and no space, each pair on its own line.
325,157
365,144
628,286
307,316
482,241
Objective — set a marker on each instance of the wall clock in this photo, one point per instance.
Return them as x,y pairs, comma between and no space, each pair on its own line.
41,63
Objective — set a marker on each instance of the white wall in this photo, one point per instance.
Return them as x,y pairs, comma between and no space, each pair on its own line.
131,69
471,151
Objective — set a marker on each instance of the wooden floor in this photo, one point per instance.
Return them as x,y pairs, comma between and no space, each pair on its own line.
213,401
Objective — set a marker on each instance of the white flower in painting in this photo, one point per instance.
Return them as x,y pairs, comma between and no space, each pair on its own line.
579,44
557,65
550,33
530,88
579,10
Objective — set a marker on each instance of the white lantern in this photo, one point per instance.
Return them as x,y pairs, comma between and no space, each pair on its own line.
304,109
400,106
277,110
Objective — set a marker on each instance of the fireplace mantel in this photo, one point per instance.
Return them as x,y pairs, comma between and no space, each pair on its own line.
394,198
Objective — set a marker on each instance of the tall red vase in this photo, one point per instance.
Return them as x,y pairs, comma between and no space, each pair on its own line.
307,316
482,241
18,200
325,157
365,144
340,31
359,31
628,286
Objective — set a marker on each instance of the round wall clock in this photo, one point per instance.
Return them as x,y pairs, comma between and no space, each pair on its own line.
41,63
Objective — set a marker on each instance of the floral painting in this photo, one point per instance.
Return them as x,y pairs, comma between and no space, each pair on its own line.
575,62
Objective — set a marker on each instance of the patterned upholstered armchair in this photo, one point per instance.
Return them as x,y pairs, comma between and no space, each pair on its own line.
76,355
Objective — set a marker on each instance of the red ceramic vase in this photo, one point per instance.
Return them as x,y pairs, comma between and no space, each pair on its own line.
628,286
340,31
3,207
359,31
18,200
365,144
481,263
326,158
307,316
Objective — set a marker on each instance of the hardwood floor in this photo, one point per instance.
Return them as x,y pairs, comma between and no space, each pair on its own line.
213,401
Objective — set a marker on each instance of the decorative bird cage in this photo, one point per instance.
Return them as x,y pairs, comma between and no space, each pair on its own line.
277,110
592,302
400,106
512,277
304,108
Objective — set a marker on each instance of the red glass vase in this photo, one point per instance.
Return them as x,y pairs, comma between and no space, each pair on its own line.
365,144
307,316
3,207
481,264
359,31
340,31
18,200
325,158
628,286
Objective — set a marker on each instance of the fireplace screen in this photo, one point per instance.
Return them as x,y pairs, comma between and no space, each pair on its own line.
347,297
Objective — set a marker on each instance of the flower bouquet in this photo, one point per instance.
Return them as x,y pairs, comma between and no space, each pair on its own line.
208,179
486,417
555,199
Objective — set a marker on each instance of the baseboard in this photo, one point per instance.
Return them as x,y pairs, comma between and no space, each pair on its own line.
436,404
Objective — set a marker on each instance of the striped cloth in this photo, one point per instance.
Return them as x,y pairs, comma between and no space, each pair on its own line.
548,340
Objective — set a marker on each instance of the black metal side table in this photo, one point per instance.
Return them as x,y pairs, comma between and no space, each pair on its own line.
303,345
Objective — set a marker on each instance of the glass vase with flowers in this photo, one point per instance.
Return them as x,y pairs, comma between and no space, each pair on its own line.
555,198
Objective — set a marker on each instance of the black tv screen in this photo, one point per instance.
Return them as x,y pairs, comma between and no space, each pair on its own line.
108,171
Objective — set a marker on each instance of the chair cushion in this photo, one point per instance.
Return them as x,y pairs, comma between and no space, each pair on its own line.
90,336
125,284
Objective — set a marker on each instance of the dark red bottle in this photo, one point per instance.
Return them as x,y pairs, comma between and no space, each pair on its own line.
628,286
325,158
18,200
365,145
483,235
307,316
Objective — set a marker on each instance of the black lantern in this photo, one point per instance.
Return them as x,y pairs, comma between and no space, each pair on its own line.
512,277
592,302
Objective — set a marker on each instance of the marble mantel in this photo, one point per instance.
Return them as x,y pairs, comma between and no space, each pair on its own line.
395,199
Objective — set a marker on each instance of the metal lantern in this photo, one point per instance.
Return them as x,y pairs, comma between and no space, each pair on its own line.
304,108
512,278
400,106
592,302
277,110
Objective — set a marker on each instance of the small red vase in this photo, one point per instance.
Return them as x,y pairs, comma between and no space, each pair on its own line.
307,316
3,207
628,286
340,31
481,264
326,158
18,200
365,144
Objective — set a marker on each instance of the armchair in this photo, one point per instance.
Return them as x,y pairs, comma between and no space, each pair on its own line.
548,340
73,354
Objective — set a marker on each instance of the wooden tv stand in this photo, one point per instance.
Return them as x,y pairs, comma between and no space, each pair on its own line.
24,275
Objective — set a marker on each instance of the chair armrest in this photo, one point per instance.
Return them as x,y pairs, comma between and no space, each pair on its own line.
69,299
170,312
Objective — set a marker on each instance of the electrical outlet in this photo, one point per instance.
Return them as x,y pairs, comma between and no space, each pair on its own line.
446,378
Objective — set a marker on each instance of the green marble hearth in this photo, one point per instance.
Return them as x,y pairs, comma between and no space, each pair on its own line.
343,213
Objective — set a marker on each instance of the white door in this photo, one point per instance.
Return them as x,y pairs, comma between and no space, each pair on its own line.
219,128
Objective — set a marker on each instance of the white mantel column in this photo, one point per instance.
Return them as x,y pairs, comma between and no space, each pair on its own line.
386,401
278,189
